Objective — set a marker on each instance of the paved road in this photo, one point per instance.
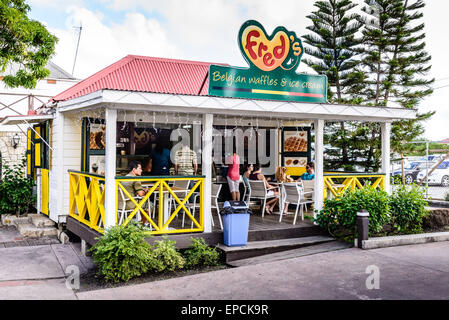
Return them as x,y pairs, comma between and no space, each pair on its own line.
406,272
437,192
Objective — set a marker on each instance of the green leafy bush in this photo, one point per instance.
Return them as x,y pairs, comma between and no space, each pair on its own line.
200,254
16,190
122,253
165,256
446,196
341,213
408,208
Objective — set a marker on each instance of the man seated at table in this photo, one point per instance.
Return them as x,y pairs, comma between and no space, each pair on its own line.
310,174
134,188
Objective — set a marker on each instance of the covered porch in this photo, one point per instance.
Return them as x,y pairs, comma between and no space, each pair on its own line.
94,197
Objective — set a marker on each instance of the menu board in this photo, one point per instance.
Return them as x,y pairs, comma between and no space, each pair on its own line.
295,161
97,136
295,141
295,149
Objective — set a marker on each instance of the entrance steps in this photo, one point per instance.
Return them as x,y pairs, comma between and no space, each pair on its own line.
292,253
33,225
262,248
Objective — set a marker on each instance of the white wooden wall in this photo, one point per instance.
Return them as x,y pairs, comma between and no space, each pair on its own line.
66,156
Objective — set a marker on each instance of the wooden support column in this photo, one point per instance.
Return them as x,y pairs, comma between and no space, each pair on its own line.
110,167
206,168
319,172
386,132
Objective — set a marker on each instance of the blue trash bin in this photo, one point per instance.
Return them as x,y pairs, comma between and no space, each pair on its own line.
235,223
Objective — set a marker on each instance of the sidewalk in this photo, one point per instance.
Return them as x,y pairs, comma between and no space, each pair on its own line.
406,272
38,272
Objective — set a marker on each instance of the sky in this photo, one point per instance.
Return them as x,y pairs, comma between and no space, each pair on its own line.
206,30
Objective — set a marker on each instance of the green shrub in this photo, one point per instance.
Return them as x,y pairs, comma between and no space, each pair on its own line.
341,213
200,254
165,257
396,179
16,190
408,208
122,253
446,196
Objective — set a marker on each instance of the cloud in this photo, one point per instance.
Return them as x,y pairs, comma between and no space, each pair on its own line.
101,45
207,30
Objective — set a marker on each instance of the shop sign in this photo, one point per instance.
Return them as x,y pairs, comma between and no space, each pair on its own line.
273,61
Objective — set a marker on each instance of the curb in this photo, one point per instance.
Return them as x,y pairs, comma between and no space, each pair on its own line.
438,204
393,241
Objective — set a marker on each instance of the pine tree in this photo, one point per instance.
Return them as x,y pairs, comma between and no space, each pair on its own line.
332,44
393,57
409,60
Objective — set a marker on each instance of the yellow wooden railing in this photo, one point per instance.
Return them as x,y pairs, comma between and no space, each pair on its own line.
336,184
160,188
86,194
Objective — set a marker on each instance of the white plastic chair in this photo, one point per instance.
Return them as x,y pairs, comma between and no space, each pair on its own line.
258,190
246,189
216,188
181,184
123,212
309,188
294,194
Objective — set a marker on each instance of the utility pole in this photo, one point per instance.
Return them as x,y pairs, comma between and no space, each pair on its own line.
76,53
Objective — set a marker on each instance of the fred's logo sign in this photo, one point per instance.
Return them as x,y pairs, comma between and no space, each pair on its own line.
280,50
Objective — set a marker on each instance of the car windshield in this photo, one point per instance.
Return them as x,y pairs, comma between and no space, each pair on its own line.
444,165
412,165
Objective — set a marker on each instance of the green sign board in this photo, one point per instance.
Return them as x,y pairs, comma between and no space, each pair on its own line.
273,61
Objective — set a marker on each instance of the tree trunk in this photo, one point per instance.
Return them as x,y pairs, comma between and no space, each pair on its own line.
402,169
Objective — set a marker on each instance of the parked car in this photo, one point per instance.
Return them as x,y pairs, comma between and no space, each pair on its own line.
439,176
412,169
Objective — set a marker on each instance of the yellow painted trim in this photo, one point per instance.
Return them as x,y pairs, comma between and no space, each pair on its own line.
45,191
83,199
351,181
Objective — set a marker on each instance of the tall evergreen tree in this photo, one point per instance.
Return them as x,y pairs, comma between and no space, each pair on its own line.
332,45
393,58
404,81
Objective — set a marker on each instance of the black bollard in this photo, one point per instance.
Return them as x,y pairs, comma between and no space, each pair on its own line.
362,227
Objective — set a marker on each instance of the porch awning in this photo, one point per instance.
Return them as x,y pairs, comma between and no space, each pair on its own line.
24,119
147,101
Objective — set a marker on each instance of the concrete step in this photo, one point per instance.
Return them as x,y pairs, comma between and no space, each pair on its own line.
293,253
41,221
257,248
29,230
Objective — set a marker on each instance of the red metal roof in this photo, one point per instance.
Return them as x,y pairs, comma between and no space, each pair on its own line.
145,74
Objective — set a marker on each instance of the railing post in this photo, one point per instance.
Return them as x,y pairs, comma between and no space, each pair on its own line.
110,168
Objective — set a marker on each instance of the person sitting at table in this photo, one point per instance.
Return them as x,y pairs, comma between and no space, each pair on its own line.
282,176
233,175
160,158
248,169
257,175
310,174
134,188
